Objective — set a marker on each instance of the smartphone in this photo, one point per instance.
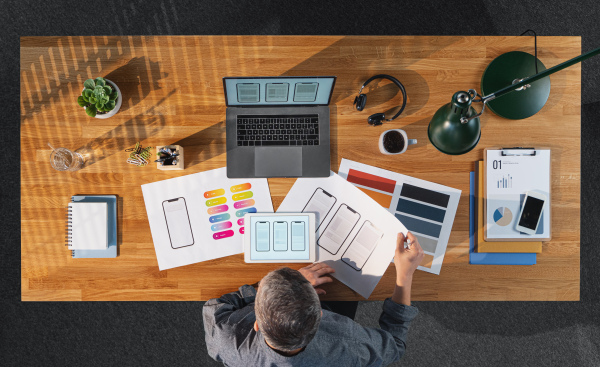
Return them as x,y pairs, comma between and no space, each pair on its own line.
362,246
320,203
262,236
298,240
178,223
531,212
280,236
338,229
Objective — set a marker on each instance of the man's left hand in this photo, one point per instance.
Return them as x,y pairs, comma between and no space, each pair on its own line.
316,275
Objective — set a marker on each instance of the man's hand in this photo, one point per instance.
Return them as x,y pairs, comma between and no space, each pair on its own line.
315,274
407,259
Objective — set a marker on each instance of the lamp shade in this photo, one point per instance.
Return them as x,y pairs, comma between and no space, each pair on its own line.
446,131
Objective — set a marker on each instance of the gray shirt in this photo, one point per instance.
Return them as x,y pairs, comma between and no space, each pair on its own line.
231,339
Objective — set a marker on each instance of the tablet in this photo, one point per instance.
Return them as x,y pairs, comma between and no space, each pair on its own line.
279,238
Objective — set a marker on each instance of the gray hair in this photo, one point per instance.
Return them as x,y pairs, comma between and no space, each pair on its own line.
287,309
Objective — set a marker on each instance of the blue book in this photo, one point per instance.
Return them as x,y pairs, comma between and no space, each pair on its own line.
497,258
111,250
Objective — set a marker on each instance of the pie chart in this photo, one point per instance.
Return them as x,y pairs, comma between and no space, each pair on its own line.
503,216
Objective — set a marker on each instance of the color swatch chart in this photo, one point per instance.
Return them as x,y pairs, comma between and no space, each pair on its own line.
221,218
425,208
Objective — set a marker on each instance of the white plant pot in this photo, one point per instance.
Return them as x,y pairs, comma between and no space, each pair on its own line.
117,104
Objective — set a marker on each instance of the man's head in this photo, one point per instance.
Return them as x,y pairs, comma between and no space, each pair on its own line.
287,309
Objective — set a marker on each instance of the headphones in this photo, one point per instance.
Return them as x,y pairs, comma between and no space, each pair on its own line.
377,119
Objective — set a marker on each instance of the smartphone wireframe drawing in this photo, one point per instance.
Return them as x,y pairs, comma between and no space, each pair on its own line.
178,223
338,229
320,203
362,246
298,242
262,236
280,236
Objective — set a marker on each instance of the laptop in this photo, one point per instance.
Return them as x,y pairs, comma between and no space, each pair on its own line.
278,126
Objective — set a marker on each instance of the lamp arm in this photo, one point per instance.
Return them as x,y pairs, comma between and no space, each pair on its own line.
543,74
473,93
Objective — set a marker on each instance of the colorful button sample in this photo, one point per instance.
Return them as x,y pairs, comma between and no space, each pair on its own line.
242,196
243,204
241,222
218,209
214,193
242,230
241,187
220,226
219,218
241,213
224,234
217,201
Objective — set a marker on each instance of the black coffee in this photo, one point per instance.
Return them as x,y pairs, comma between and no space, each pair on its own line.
393,142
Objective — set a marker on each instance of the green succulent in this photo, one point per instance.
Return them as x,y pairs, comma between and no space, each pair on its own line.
97,96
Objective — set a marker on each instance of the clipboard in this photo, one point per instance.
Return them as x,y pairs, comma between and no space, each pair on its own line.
508,174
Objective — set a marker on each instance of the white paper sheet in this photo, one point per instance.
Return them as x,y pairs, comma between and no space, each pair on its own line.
213,205
427,209
354,232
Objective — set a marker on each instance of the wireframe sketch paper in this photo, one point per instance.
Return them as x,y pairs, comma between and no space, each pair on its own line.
200,217
355,235
427,209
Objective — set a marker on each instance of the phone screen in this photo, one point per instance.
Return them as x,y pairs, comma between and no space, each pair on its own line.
320,203
178,223
532,209
280,237
362,246
297,236
338,229
262,236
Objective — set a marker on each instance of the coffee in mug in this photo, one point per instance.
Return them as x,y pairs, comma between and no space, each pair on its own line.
394,141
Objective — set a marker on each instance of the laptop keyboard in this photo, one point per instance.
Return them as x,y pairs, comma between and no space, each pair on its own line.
277,130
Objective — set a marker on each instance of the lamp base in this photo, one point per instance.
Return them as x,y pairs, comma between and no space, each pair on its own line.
508,69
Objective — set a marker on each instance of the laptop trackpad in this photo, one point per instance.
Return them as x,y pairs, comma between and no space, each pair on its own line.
278,161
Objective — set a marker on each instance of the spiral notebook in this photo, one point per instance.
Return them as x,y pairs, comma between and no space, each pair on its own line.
110,202
87,226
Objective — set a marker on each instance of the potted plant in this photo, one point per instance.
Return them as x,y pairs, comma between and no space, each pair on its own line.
101,98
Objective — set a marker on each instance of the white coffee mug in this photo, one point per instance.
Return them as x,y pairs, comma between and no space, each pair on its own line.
407,142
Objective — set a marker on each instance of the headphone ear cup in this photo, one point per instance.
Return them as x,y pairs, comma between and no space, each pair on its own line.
360,101
376,119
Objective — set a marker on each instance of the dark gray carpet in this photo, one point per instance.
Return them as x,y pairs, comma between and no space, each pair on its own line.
155,334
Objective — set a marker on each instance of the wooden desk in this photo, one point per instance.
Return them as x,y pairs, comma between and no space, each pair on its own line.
173,94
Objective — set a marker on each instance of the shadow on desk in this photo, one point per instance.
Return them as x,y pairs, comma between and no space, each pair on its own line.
125,135
204,145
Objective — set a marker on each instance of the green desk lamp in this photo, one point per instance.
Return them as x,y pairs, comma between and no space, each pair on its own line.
455,127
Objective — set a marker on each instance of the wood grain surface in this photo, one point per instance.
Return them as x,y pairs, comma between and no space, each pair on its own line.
173,94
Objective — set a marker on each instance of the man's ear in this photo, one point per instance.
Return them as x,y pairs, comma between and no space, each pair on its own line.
321,313
256,325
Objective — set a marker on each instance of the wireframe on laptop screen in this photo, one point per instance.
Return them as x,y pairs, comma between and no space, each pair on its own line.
278,91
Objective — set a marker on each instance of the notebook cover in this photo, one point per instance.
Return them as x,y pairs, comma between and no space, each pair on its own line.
485,258
111,250
481,244
88,226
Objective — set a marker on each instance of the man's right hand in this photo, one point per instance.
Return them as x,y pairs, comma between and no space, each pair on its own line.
316,275
407,259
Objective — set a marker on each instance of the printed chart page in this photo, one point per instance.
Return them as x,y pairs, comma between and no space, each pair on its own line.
508,178
355,235
426,209
200,217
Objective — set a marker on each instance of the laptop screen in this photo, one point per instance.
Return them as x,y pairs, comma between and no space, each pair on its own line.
278,91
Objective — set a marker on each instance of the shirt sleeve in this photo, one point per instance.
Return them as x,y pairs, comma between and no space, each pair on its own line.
394,322
226,318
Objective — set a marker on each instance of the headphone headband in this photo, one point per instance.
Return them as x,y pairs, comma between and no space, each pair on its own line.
395,81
